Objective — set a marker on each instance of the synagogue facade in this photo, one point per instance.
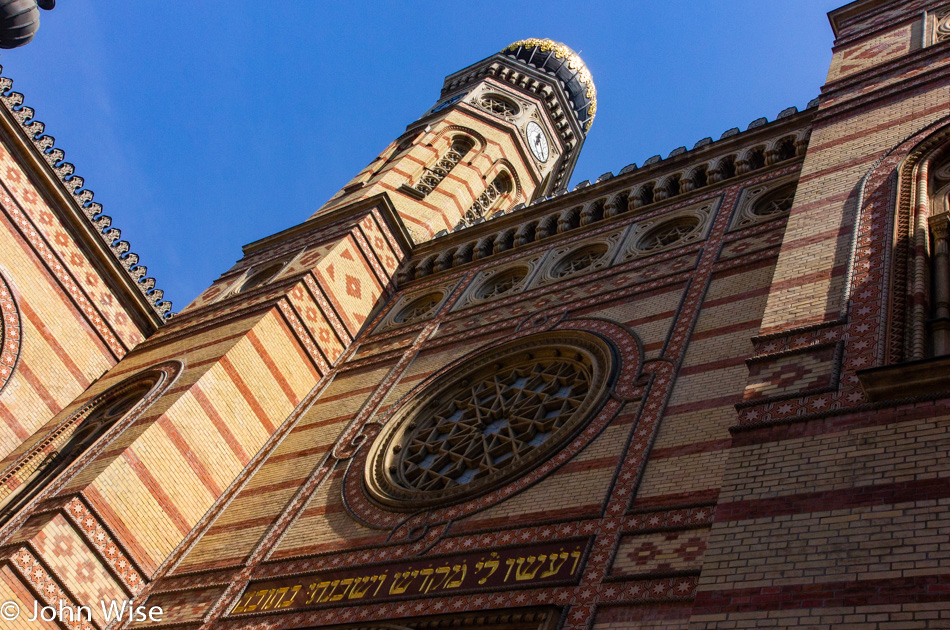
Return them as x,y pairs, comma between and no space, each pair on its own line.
708,391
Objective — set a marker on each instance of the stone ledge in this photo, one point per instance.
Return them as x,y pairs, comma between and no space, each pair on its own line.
905,380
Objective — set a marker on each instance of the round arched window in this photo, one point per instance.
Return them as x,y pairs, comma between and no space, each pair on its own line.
779,201
490,420
501,284
10,338
418,309
579,260
259,277
69,443
499,105
669,233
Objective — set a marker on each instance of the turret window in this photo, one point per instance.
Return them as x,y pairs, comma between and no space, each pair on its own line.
487,203
499,106
433,175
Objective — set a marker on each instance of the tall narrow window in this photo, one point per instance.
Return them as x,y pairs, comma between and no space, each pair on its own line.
487,203
433,175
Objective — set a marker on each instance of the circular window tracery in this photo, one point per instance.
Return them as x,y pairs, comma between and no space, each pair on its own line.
501,284
779,201
418,309
495,418
579,260
669,233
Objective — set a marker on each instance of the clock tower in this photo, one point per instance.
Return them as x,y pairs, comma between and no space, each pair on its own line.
505,131
162,439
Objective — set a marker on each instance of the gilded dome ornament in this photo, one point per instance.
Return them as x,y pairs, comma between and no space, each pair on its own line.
559,60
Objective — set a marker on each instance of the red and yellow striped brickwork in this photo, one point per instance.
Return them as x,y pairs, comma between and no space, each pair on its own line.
692,309
398,169
742,470
72,326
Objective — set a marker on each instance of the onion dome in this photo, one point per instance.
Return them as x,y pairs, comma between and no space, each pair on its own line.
559,60
19,20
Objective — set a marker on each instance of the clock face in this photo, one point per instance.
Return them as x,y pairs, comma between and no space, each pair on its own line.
537,141
447,103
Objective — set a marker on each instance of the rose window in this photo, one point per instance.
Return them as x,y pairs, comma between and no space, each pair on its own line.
669,233
779,201
492,420
579,260
418,309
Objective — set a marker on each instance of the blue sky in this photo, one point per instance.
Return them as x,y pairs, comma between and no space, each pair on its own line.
202,126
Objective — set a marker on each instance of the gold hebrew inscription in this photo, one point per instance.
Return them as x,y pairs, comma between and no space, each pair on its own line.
521,567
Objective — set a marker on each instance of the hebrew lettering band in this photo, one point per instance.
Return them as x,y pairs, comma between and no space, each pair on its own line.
512,568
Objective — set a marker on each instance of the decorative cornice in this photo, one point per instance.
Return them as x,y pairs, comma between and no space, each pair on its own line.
81,198
633,190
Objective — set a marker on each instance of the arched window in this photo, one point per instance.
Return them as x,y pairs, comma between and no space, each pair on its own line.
777,202
935,175
670,233
433,175
499,105
919,325
418,309
579,260
260,276
488,203
10,339
65,444
501,284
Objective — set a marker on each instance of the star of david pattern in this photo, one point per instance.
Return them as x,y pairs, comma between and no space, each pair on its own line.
493,424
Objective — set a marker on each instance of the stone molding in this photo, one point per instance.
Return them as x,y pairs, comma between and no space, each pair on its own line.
82,198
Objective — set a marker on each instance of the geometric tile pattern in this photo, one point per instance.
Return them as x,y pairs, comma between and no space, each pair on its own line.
103,541
312,468
754,243
350,283
660,552
68,265
792,374
42,582
871,52
316,322
664,556
78,569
